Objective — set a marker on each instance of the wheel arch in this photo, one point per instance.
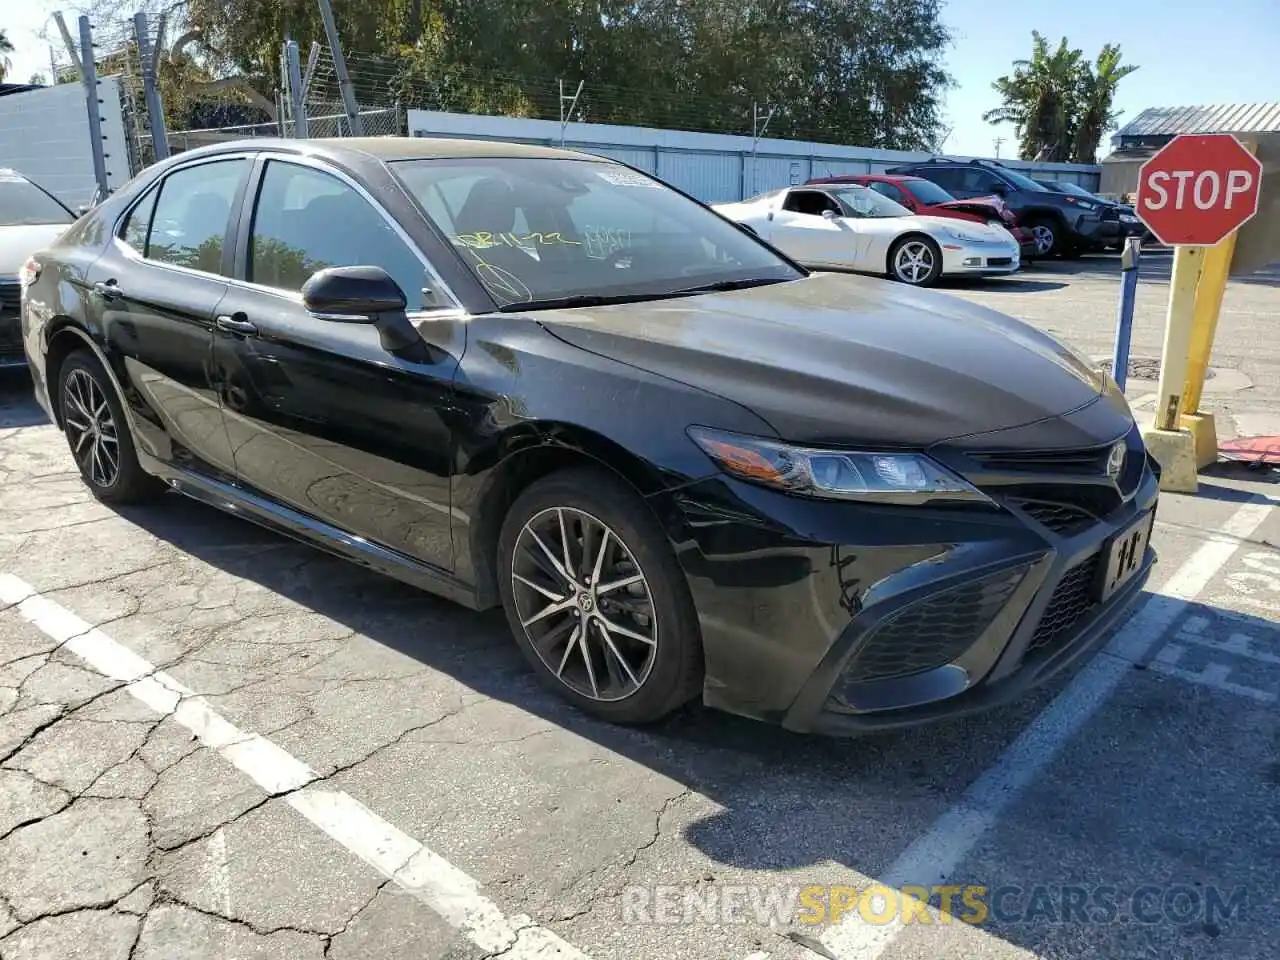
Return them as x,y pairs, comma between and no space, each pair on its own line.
66,336
523,456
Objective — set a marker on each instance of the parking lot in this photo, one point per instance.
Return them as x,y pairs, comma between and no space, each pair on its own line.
217,743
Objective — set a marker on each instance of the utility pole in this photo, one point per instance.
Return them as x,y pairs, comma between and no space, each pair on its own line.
354,121
148,56
757,131
301,129
999,142
89,77
567,115
70,44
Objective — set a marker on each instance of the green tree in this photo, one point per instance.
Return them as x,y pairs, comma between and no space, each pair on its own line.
6,48
1058,102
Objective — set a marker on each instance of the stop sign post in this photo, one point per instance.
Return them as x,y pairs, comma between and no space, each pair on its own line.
1193,194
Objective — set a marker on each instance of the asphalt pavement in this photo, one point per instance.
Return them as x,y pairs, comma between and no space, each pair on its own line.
216,743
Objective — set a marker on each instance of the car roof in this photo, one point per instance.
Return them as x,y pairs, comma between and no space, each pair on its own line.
395,148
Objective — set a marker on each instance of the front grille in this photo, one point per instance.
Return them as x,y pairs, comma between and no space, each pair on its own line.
932,631
1071,601
999,261
1087,462
1061,518
10,299
1110,213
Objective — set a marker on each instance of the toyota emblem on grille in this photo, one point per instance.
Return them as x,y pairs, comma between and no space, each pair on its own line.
1115,461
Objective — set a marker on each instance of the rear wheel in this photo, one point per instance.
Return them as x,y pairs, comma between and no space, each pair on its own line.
915,260
596,599
97,432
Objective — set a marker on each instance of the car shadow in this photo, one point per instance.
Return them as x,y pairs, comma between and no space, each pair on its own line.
1015,283
18,407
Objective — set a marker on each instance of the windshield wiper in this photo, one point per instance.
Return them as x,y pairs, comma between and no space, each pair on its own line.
722,285
579,300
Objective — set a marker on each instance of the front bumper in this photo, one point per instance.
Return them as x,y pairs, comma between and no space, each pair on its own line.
842,618
979,259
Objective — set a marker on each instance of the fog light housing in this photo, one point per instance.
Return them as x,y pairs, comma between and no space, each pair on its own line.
972,261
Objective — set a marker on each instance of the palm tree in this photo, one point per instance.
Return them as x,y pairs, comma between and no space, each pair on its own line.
1097,92
6,48
1040,98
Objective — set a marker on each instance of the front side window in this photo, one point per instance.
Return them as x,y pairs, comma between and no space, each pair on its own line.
23,204
810,202
887,190
538,229
191,215
927,191
306,220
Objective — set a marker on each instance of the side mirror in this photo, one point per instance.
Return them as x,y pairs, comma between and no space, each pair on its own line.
366,295
83,209
1000,190
829,214
352,294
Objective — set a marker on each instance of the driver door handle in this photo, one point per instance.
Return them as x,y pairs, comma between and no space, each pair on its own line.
235,324
108,290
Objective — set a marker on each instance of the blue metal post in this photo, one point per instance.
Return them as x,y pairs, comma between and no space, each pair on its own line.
1124,321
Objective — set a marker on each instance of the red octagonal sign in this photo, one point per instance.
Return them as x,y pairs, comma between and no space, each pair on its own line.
1198,188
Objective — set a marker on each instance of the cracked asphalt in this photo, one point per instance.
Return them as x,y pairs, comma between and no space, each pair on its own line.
125,835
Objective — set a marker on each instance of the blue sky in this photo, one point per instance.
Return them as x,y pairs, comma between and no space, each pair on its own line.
1189,53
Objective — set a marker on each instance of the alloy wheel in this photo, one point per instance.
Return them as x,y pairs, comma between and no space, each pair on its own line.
91,429
584,604
1044,238
913,263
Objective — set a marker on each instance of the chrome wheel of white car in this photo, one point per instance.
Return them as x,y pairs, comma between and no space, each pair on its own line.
915,260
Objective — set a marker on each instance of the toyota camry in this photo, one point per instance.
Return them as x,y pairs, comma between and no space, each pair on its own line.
524,377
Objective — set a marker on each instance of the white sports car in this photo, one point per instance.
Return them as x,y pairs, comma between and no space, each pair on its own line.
850,227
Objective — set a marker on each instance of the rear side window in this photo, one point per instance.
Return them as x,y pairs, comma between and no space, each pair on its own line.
138,223
189,224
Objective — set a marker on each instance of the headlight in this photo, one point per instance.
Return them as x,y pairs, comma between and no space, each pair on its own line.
962,236
1128,218
1086,205
905,478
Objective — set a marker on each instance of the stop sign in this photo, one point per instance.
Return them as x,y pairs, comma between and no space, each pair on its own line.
1198,188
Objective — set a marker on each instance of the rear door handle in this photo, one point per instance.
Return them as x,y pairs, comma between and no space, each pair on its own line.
235,325
108,290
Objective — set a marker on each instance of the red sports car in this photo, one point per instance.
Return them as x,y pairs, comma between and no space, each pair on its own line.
926,197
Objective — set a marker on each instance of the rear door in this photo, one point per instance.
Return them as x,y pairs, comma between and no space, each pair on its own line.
155,291
322,417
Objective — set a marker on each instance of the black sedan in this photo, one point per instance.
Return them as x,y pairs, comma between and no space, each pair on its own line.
683,465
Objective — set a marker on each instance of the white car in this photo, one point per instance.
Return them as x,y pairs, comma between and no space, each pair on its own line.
851,227
30,220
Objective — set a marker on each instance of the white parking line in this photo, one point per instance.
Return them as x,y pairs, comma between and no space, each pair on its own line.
933,857
413,867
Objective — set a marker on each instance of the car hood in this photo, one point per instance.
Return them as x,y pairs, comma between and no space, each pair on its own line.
988,207
19,242
849,360
934,225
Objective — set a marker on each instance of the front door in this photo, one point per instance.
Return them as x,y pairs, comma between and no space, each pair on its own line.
156,290
321,416
810,228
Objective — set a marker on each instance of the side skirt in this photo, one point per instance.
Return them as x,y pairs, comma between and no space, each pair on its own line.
298,526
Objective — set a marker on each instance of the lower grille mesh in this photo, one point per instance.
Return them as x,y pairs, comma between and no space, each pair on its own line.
1071,601
933,631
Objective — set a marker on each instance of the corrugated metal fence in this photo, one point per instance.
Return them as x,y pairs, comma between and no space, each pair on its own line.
715,168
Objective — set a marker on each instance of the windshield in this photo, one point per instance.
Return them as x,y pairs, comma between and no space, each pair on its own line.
864,203
1075,190
928,192
542,229
1023,182
24,204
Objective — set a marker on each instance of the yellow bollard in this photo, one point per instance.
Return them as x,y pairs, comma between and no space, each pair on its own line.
1172,447
1208,306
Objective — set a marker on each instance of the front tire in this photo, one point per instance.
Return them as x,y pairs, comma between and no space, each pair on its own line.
1046,233
915,260
596,600
97,431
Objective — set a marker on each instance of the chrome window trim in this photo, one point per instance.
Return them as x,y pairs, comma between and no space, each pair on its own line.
132,253
437,281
